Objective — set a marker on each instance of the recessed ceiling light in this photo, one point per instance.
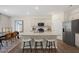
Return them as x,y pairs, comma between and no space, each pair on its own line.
5,10
36,8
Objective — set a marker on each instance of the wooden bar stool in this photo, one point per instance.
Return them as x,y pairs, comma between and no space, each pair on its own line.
38,44
50,45
27,43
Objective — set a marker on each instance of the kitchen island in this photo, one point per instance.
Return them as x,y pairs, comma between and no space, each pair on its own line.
45,36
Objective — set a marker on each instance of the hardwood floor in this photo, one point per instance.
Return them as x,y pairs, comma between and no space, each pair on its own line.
7,48
61,48
65,48
53,50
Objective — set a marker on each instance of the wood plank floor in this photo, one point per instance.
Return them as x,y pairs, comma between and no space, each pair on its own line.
65,48
61,48
11,45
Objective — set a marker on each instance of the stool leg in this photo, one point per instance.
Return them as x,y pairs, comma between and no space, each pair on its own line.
51,46
54,45
30,46
46,46
42,46
35,47
23,46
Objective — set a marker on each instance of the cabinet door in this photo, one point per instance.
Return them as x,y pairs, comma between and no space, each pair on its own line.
77,40
75,26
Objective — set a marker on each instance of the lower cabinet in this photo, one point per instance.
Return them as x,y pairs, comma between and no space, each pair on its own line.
77,40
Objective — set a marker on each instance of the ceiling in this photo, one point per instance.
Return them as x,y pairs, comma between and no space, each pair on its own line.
23,10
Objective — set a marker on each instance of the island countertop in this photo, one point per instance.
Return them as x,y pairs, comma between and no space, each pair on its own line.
40,35
44,33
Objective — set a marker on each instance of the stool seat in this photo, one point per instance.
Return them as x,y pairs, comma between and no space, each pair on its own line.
50,39
38,40
26,40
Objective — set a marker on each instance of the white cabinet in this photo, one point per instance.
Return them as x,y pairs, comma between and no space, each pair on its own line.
77,39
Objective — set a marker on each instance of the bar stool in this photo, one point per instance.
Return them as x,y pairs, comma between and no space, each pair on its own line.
50,44
27,43
38,44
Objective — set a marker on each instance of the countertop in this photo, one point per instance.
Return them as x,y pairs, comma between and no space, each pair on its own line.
44,33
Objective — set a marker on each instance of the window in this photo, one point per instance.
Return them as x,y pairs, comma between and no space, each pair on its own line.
19,25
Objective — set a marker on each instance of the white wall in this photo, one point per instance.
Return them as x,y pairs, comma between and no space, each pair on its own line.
74,14
67,15
30,21
57,20
4,22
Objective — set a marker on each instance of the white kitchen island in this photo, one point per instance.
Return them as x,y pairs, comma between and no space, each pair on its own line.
40,35
45,35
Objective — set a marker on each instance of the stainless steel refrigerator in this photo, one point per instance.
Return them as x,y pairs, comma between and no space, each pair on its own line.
69,30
